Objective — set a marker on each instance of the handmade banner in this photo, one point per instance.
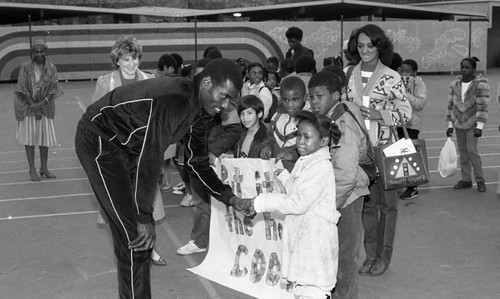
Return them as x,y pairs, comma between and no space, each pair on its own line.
245,254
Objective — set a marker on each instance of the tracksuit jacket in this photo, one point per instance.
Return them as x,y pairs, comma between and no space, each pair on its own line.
143,119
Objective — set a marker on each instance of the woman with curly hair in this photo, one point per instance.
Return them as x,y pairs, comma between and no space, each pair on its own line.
379,92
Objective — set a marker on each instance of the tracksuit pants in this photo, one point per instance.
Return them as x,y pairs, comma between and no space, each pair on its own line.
108,170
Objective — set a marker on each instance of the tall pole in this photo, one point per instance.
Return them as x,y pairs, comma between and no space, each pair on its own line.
342,37
195,39
470,37
29,27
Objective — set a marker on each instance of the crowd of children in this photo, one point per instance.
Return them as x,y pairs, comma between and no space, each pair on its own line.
319,126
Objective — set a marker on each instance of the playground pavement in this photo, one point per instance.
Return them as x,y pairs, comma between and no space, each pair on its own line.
447,241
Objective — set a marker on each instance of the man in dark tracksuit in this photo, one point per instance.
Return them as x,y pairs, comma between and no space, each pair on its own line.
224,133
120,142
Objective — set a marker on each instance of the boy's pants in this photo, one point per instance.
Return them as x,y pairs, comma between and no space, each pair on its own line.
109,175
469,155
202,211
349,227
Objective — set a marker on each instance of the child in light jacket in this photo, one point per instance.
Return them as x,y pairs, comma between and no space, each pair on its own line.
310,239
467,112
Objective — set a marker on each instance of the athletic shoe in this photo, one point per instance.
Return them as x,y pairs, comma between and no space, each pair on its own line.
481,187
178,186
190,248
165,188
409,194
187,201
463,185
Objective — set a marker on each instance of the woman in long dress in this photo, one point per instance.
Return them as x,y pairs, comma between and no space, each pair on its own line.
37,88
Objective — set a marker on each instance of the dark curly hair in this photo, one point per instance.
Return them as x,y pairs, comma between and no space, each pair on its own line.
378,39
322,124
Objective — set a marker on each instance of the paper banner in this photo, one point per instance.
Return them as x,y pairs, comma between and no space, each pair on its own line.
245,255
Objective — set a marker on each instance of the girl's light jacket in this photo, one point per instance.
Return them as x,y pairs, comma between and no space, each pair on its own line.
310,239
474,108
387,95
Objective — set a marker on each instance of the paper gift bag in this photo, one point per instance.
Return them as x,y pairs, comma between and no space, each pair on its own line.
404,170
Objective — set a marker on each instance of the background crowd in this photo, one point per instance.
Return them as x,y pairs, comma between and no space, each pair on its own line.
321,124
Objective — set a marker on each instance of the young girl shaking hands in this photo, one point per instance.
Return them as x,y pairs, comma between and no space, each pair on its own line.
310,240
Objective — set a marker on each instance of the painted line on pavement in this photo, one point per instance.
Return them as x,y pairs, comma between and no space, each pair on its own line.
479,145
484,167
53,159
449,186
51,149
455,140
482,155
46,197
62,214
45,181
444,131
21,171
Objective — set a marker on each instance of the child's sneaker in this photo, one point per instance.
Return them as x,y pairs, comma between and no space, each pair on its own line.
190,248
187,201
409,193
179,189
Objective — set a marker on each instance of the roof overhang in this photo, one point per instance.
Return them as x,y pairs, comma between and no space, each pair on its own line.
325,10
334,10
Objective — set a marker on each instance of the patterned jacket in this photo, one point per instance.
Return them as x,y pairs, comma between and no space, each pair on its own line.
387,95
474,107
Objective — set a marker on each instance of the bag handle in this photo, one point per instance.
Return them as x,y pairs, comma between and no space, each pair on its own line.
392,129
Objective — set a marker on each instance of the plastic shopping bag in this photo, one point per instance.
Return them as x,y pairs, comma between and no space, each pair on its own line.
447,165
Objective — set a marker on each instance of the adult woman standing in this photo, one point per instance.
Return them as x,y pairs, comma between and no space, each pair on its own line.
37,88
126,55
379,92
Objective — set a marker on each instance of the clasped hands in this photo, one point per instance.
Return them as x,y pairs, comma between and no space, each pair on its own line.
243,205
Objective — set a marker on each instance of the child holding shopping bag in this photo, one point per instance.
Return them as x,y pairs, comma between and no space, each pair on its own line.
467,112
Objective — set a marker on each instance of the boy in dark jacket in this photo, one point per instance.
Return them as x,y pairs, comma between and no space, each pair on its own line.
255,141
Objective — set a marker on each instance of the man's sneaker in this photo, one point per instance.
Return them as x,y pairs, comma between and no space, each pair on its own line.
463,185
187,201
190,248
179,189
481,187
409,194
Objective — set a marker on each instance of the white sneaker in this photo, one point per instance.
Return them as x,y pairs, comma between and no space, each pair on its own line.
187,201
190,248
178,186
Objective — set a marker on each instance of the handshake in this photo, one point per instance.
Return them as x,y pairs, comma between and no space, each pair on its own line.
243,205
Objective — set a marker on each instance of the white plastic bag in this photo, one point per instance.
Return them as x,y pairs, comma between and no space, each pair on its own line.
447,165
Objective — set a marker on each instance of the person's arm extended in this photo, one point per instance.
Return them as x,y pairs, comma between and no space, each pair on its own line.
198,166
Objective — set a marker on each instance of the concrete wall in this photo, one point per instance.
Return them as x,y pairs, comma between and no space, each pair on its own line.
82,51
